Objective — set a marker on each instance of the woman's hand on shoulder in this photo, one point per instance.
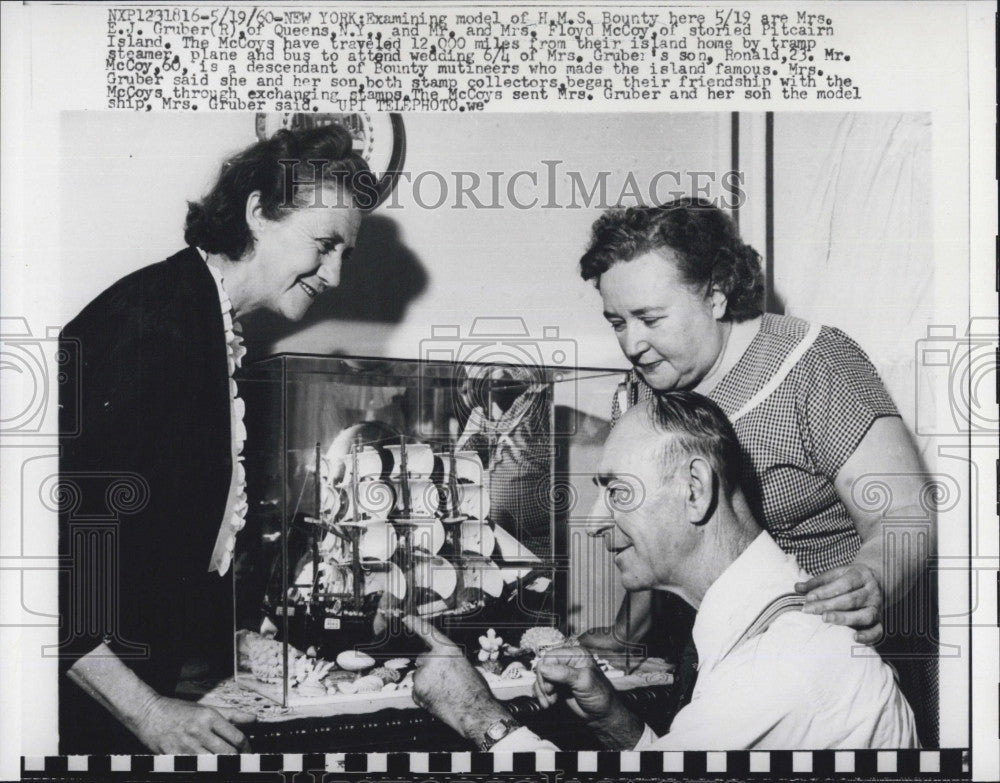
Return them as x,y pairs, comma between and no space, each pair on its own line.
850,595
885,479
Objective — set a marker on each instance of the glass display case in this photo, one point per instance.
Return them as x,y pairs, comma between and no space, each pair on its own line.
384,488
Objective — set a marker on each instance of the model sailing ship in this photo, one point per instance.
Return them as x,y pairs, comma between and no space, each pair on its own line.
401,528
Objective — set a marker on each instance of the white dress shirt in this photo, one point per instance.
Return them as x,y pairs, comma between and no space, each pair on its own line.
799,684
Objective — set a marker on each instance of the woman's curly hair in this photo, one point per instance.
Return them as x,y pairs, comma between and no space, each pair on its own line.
289,169
706,243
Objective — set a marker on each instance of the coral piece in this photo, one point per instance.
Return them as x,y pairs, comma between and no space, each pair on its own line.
489,646
386,674
368,684
312,689
540,638
263,656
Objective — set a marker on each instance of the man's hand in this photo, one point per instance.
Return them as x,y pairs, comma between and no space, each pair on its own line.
607,642
174,726
448,686
573,672
850,595
631,626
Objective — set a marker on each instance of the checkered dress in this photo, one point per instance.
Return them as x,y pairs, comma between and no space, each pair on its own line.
798,438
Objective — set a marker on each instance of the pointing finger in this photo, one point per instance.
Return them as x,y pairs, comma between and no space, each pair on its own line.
434,639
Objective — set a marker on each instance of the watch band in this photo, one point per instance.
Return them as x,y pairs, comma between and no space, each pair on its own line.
497,731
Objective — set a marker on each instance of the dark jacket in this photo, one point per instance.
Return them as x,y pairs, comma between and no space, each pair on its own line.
145,478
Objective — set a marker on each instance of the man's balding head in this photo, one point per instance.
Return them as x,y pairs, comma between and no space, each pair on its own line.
670,467
696,425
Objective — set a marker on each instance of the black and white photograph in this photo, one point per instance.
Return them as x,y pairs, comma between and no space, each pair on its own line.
633,439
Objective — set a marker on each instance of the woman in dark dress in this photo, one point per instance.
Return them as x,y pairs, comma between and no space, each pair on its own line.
151,440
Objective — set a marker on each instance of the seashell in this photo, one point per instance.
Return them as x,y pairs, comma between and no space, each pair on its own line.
654,665
489,676
397,663
339,675
656,678
514,671
348,686
368,684
354,661
311,689
386,674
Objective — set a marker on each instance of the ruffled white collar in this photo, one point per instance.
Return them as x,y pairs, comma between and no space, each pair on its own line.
235,515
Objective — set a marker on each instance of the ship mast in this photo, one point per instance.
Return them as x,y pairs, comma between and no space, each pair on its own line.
406,523
356,574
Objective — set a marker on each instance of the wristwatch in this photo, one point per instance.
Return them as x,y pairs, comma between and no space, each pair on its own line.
497,731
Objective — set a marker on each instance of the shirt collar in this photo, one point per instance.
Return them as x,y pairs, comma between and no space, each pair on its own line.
759,575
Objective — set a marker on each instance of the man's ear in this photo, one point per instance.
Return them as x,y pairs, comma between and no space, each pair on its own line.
702,491
254,213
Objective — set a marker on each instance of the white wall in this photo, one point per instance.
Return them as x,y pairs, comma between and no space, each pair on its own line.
124,181
854,233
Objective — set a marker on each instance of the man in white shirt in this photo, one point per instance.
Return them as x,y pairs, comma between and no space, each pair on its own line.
772,675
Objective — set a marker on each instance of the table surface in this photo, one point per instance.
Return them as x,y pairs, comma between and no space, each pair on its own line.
415,730
391,722
245,696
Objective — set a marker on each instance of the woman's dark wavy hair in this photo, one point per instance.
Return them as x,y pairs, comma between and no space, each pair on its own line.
702,236
289,169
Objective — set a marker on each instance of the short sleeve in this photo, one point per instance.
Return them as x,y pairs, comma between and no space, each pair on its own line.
839,398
